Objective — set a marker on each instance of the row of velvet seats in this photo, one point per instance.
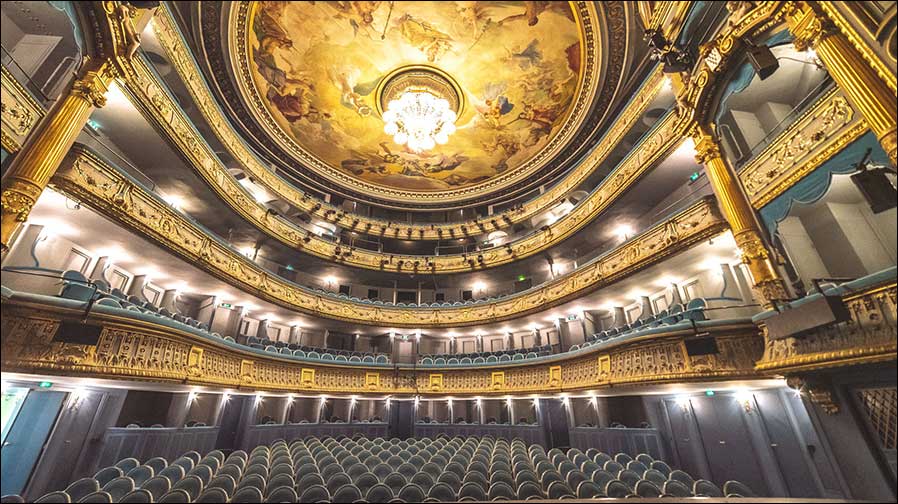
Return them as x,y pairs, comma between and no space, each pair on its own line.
517,354
379,302
317,352
380,470
77,286
694,311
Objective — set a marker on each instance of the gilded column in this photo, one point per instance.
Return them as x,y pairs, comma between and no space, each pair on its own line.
767,284
39,158
866,91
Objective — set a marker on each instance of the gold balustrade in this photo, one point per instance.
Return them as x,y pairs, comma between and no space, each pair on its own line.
90,180
130,349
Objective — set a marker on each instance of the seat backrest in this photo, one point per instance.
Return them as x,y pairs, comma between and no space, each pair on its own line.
617,489
705,488
588,489
675,488
248,494
559,490
191,484
346,493
101,496
81,488
737,488
379,493
118,487
157,486
55,497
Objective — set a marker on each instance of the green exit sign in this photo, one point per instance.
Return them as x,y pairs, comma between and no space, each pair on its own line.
709,393
225,305
45,384
694,176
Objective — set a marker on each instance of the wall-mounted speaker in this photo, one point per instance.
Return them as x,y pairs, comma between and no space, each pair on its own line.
876,188
78,333
762,60
701,346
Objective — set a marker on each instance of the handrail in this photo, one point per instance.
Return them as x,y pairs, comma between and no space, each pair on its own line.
32,271
104,188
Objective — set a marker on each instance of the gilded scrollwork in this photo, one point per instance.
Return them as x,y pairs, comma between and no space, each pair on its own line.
19,112
825,129
145,351
169,37
869,336
88,178
176,125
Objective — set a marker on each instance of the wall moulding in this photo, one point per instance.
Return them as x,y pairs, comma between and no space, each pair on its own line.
89,179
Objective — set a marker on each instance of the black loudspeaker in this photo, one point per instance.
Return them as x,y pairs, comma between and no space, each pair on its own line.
701,346
78,333
876,188
762,60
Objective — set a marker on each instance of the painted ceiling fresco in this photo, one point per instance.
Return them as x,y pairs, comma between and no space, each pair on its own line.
317,67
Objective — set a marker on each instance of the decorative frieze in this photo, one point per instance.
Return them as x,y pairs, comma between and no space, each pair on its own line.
870,336
87,178
140,350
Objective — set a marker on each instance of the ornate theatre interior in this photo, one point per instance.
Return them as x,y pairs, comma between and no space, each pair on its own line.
444,251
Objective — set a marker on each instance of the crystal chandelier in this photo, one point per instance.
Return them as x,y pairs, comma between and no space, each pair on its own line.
419,120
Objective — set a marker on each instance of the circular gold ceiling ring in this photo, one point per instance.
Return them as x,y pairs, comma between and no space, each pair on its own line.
419,78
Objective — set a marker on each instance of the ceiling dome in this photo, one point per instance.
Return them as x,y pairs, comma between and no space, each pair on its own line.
317,67
524,76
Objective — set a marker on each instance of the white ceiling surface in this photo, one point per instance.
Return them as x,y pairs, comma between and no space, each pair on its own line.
140,256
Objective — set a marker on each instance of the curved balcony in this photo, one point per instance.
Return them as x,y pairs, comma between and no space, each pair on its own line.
130,345
144,84
111,193
162,110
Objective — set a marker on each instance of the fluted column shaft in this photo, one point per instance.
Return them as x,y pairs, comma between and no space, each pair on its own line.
866,91
41,156
768,286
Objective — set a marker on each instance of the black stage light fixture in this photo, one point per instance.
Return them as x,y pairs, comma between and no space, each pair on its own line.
762,60
675,63
877,189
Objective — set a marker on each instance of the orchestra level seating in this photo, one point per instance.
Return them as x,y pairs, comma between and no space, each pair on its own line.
390,470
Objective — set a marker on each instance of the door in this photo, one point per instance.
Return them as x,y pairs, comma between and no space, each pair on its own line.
554,419
727,442
402,417
230,423
26,438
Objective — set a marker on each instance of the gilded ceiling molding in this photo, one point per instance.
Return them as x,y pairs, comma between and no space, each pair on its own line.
591,49
821,132
138,350
667,17
19,112
87,178
869,337
171,40
161,110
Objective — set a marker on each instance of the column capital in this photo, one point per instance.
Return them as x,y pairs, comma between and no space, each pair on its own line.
807,26
93,85
706,145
